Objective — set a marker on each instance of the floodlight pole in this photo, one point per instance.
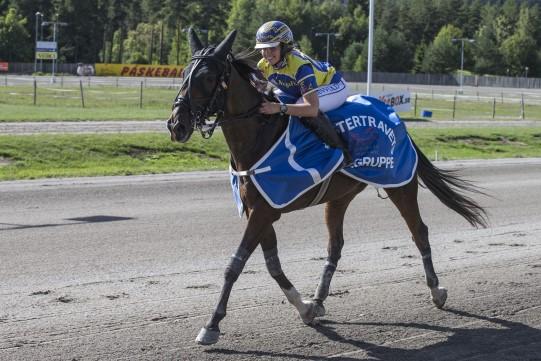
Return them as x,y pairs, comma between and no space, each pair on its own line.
328,35
462,40
38,14
55,25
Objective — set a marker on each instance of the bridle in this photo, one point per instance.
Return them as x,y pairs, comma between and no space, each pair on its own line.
217,101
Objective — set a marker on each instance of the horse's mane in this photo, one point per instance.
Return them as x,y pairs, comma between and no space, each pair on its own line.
246,64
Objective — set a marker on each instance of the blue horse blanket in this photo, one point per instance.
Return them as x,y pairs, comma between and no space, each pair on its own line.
378,142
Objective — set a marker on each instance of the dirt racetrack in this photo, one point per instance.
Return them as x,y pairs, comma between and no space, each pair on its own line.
130,268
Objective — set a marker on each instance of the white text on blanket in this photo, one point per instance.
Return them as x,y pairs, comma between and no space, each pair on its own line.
380,162
356,121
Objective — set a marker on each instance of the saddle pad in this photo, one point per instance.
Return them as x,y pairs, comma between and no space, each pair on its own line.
298,161
378,142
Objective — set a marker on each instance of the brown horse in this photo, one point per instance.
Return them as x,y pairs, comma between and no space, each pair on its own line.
216,83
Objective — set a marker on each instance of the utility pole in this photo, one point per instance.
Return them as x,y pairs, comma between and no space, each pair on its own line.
462,40
55,25
38,14
328,35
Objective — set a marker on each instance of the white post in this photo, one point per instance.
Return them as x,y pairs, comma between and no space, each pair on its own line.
370,46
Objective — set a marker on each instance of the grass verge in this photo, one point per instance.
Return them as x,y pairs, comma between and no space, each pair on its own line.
48,155
56,103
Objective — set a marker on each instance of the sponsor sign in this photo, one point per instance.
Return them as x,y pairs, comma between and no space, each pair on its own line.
400,101
4,66
46,46
46,55
46,50
139,70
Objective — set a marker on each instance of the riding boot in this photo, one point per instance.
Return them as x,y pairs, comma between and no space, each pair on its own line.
322,127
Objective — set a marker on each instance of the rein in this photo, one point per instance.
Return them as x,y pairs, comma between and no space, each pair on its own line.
200,117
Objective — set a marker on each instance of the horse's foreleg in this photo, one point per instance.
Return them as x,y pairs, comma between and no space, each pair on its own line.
270,251
211,332
334,217
405,199
257,222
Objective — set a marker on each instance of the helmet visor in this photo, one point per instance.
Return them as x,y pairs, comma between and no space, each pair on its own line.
266,45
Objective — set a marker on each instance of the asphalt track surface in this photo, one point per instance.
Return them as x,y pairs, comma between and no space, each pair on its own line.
130,268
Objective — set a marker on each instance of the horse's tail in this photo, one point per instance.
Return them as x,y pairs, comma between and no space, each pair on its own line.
447,187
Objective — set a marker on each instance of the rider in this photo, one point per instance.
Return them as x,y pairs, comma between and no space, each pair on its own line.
305,86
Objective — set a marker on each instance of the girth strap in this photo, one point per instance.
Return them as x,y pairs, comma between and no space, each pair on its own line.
322,191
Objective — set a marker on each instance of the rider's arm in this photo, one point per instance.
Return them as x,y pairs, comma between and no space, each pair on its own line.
308,108
310,105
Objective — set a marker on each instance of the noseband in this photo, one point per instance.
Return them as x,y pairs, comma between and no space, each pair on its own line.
216,104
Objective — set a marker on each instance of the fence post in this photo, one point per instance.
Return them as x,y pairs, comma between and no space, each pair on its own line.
82,95
35,91
415,106
141,96
89,81
493,107
62,81
117,81
502,97
5,80
522,115
454,106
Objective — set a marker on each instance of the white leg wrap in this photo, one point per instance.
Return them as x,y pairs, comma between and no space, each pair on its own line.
306,308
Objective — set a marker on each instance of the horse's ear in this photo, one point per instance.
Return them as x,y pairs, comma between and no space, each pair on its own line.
195,43
225,46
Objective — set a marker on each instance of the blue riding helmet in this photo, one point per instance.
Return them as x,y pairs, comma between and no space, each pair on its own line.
272,33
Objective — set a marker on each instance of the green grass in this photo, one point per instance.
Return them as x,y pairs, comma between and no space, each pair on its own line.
57,103
101,103
48,155
30,113
476,110
478,143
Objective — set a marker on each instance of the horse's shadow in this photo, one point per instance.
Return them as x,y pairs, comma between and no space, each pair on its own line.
502,340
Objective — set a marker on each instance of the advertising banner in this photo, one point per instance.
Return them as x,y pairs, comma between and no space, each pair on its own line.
46,46
46,50
4,66
400,101
47,55
139,70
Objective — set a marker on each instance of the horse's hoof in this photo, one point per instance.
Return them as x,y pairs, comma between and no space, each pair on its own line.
207,337
439,296
309,313
319,308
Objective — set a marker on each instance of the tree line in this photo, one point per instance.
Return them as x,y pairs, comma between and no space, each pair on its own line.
498,37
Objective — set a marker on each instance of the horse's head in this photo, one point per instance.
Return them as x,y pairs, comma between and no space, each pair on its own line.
202,93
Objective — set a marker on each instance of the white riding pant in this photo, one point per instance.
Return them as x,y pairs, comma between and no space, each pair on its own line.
331,96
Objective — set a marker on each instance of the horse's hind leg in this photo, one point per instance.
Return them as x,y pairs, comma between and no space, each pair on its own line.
334,218
268,242
405,199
